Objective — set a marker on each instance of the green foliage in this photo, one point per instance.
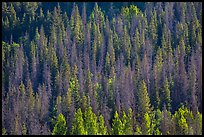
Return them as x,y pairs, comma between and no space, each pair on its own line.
129,12
143,99
157,132
127,45
198,124
167,97
74,87
24,129
22,89
60,127
90,122
158,118
117,127
76,25
181,122
146,125
80,62
138,130
84,103
78,124
102,129
153,27
4,131
127,123
53,118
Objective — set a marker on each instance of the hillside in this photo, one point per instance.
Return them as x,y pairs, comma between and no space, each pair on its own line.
132,68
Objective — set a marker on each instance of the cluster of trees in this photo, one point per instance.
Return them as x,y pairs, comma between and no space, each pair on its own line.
85,72
156,122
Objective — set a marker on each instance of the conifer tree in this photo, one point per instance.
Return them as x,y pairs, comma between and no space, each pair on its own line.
24,129
90,122
127,123
143,100
167,97
146,125
60,127
138,130
102,129
117,127
78,124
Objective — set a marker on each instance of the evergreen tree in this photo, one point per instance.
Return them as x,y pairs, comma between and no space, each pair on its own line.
143,100
24,129
78,124
60,127
198,124
117,127
102,59
181,123
127,123
167,97
90,122
102,129
146,125
74,87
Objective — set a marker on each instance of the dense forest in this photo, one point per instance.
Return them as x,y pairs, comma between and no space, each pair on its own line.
132,68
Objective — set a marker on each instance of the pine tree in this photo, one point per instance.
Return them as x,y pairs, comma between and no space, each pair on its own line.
60,127
138,130
117,127
127,123
74,87
181,123
167,97
76,25
146,125
153,28
158,118
102,129
127,45
157,132
4,131
192,86
143,100
78,124
198,124
24,129
90,122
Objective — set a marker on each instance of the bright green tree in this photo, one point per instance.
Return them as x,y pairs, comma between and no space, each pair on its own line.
78,124
117,127
127,123
146,125
158,132
181,122
60,127
102,129
138,130
90,122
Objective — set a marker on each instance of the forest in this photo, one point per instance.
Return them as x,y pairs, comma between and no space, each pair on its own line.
101,68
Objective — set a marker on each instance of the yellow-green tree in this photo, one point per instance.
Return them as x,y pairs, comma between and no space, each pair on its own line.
60,127
117,127
78,124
